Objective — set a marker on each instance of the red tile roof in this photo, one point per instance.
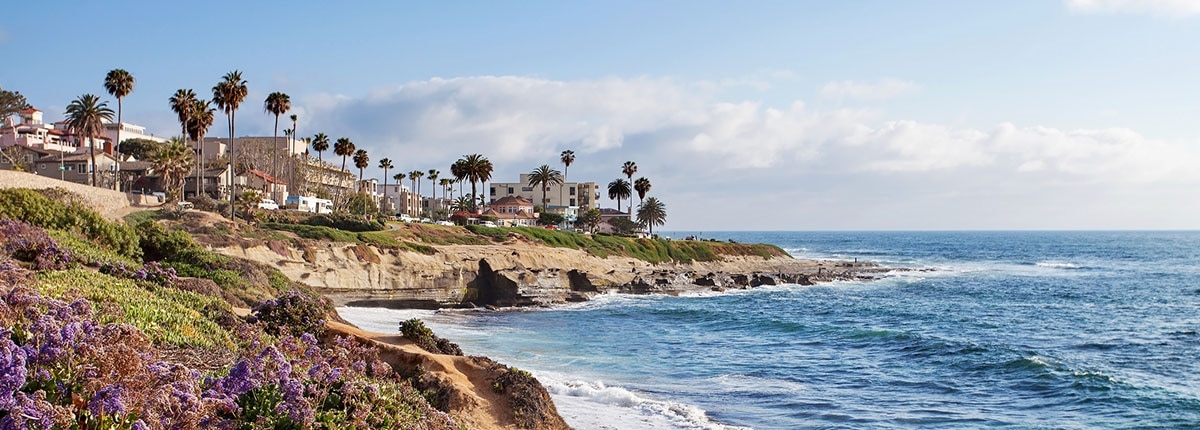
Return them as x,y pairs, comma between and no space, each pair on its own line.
267,177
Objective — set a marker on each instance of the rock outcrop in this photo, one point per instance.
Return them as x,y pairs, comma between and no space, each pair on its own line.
515,274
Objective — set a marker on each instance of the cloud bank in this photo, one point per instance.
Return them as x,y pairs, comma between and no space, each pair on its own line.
690,142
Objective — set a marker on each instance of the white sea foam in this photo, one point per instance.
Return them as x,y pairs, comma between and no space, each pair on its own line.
1057,264
595,405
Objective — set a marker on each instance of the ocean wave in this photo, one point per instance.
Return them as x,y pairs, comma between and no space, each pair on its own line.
1054,264
597,405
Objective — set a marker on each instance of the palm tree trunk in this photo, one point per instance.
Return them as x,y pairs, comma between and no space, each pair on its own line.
232,163
275,156
93,151
117,146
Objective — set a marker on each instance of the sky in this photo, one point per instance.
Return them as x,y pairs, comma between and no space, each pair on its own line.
757,115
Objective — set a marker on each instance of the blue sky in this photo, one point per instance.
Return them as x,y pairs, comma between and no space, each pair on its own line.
784,115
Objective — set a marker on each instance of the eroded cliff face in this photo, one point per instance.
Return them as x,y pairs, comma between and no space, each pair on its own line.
513,274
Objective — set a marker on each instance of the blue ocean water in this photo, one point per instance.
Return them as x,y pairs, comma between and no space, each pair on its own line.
1012,329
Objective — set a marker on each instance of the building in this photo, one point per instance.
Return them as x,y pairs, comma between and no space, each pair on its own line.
513,211
20,157
33,132
268,186
214,182
125,131
573,194
77,168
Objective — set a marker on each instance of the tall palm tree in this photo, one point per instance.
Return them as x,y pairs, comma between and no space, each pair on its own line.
651,213
361,161
228,94
459,173
445,183
345,148
543,177
119,84
290,155
567,157
619,190
172,160
385,164
320,143
433,174
476,168
416,176
629,168
181,104
202,117
86,116
642,186
399,177
277,104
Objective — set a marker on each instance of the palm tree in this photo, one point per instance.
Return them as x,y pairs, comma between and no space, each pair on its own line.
629,168
642,186
543,177
385,164
567,157
86,116
361,161
228,95
181,104
618,190
651,213
461,204
320,143
290,155
445,183
202,118
416,176
433,175
476,168
459,173
277,104
345,148
119,84
172,160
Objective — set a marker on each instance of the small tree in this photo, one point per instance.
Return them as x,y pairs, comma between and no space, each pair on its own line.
624,226
549,218
589,219
362,203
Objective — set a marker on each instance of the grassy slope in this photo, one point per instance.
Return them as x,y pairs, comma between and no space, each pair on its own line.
417,237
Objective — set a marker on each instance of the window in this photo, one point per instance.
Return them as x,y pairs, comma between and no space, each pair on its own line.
510,190
572,192
527,189
573,201
493,191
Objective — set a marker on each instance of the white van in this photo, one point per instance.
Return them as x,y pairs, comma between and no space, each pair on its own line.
268,204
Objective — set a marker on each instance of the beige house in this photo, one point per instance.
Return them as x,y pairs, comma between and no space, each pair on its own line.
269,186
570,194
77,168
513,211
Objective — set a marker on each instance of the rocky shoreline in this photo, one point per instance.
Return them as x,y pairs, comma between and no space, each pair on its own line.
519,274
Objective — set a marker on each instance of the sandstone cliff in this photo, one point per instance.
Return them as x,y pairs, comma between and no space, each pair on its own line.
511,274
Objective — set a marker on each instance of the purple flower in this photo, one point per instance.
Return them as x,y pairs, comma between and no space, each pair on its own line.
12,369
29,411
109,400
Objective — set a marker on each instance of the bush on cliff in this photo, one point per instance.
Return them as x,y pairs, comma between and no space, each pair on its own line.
69,215
291,312
346,222
415,330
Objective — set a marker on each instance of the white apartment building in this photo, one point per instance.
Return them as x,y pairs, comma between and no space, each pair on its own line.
560,197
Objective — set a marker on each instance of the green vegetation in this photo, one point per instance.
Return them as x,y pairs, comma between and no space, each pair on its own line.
166,315
44,209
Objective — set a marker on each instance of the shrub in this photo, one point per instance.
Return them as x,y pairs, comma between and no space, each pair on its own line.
314,232
549,218
159,244
22,241
40,210
293,312
205,203
415,330
347,222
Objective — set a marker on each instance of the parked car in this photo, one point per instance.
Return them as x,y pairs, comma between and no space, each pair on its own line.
268,204
186,206
488,224
444,222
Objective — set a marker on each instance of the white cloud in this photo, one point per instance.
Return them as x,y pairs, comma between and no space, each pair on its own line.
1170,8
521,120
883,89
690,141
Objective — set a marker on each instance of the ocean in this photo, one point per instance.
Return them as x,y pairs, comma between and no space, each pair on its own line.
1009,329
